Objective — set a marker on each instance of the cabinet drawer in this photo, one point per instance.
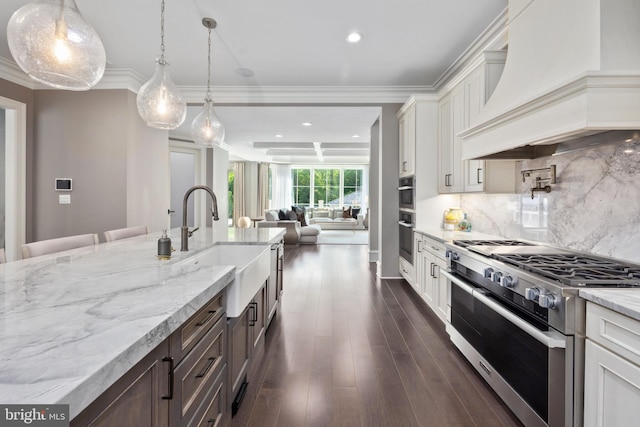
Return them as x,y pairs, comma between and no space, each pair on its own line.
187,336
197,372
212,412
434,247
615,331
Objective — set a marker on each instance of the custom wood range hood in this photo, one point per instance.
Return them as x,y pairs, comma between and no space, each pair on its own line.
571,80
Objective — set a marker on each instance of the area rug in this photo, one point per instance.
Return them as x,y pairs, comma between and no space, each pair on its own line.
343,237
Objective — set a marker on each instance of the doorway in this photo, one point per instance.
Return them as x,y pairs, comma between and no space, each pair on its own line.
14,131
186,170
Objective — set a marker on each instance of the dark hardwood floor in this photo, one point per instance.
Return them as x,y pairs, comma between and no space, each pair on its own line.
346,349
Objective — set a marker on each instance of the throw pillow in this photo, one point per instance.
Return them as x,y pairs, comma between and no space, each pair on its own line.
355,212
346,213
271,216
291,215
282,214
302,218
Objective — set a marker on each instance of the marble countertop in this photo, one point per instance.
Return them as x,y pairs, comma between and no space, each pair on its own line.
73,322
625,301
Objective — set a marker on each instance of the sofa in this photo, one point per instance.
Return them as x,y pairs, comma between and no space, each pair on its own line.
295,233
334,218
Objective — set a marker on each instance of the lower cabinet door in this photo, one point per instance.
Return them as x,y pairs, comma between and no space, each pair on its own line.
239,350
611,389
139,398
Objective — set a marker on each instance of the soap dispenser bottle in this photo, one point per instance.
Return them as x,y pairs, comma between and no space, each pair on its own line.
164,246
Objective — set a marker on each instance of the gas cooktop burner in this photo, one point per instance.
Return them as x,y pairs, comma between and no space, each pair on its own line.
576,270
465,243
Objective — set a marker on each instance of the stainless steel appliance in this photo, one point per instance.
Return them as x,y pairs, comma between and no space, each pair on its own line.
515,314
406,224
406,193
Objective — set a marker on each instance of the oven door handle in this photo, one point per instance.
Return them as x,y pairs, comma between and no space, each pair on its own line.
405,224
551,339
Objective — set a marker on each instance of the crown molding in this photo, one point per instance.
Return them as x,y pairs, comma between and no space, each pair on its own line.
119,78
494,37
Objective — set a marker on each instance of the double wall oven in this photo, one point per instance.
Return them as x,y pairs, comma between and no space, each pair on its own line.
406,218
516,316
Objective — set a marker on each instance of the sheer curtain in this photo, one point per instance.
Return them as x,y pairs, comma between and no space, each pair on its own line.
263,188
281,191
238,192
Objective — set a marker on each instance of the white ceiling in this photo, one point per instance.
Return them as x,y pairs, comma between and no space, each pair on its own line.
406,43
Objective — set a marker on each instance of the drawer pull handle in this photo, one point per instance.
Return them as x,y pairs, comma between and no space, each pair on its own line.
209,365
170,360
253,319
206,320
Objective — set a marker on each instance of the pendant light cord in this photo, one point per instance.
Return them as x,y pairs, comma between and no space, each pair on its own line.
208,95
162,31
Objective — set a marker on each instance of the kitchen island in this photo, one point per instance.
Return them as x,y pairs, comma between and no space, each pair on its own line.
72,323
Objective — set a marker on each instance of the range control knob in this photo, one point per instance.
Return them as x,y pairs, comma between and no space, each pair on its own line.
548,300
488,272
507,282
532,294
453,256
496,277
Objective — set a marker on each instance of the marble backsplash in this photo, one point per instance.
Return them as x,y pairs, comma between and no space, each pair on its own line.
593,207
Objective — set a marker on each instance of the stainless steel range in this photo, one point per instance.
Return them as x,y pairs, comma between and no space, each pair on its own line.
516,315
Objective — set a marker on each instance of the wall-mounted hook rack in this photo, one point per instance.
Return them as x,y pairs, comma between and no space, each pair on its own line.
542,183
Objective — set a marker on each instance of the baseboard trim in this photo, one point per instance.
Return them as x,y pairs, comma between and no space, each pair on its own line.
374,256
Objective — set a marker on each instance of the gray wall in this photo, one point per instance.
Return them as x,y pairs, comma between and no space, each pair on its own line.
118,165
374,197
388,191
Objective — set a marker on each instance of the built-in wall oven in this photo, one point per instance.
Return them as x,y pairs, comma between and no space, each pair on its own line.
406,193
406,224
515,315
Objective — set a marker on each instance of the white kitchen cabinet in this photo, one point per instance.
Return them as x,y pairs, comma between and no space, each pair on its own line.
459,109
407,140
432,286
612,368
407,271
452,121
418,262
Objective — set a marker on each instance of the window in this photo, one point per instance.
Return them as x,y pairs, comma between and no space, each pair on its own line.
230,177
326,186
301,179
333,187
352,194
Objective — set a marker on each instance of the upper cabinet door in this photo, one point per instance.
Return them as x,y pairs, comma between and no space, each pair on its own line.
407,139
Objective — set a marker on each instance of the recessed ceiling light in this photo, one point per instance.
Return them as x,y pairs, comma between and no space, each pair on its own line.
306,124
355,136
245,72
278,135
354,37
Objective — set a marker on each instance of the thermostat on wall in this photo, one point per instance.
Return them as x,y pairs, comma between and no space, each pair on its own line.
64,184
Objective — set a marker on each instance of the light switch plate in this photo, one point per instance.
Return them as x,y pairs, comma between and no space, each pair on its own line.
64,199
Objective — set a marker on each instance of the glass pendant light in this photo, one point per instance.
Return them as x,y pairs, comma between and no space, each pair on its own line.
207,128
160,103
51,41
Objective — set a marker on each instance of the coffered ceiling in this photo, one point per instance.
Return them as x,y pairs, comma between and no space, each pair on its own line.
276,46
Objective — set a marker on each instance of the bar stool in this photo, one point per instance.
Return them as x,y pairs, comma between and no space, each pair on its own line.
44,247
124,233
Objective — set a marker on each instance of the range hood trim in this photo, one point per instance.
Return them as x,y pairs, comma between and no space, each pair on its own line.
576,103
